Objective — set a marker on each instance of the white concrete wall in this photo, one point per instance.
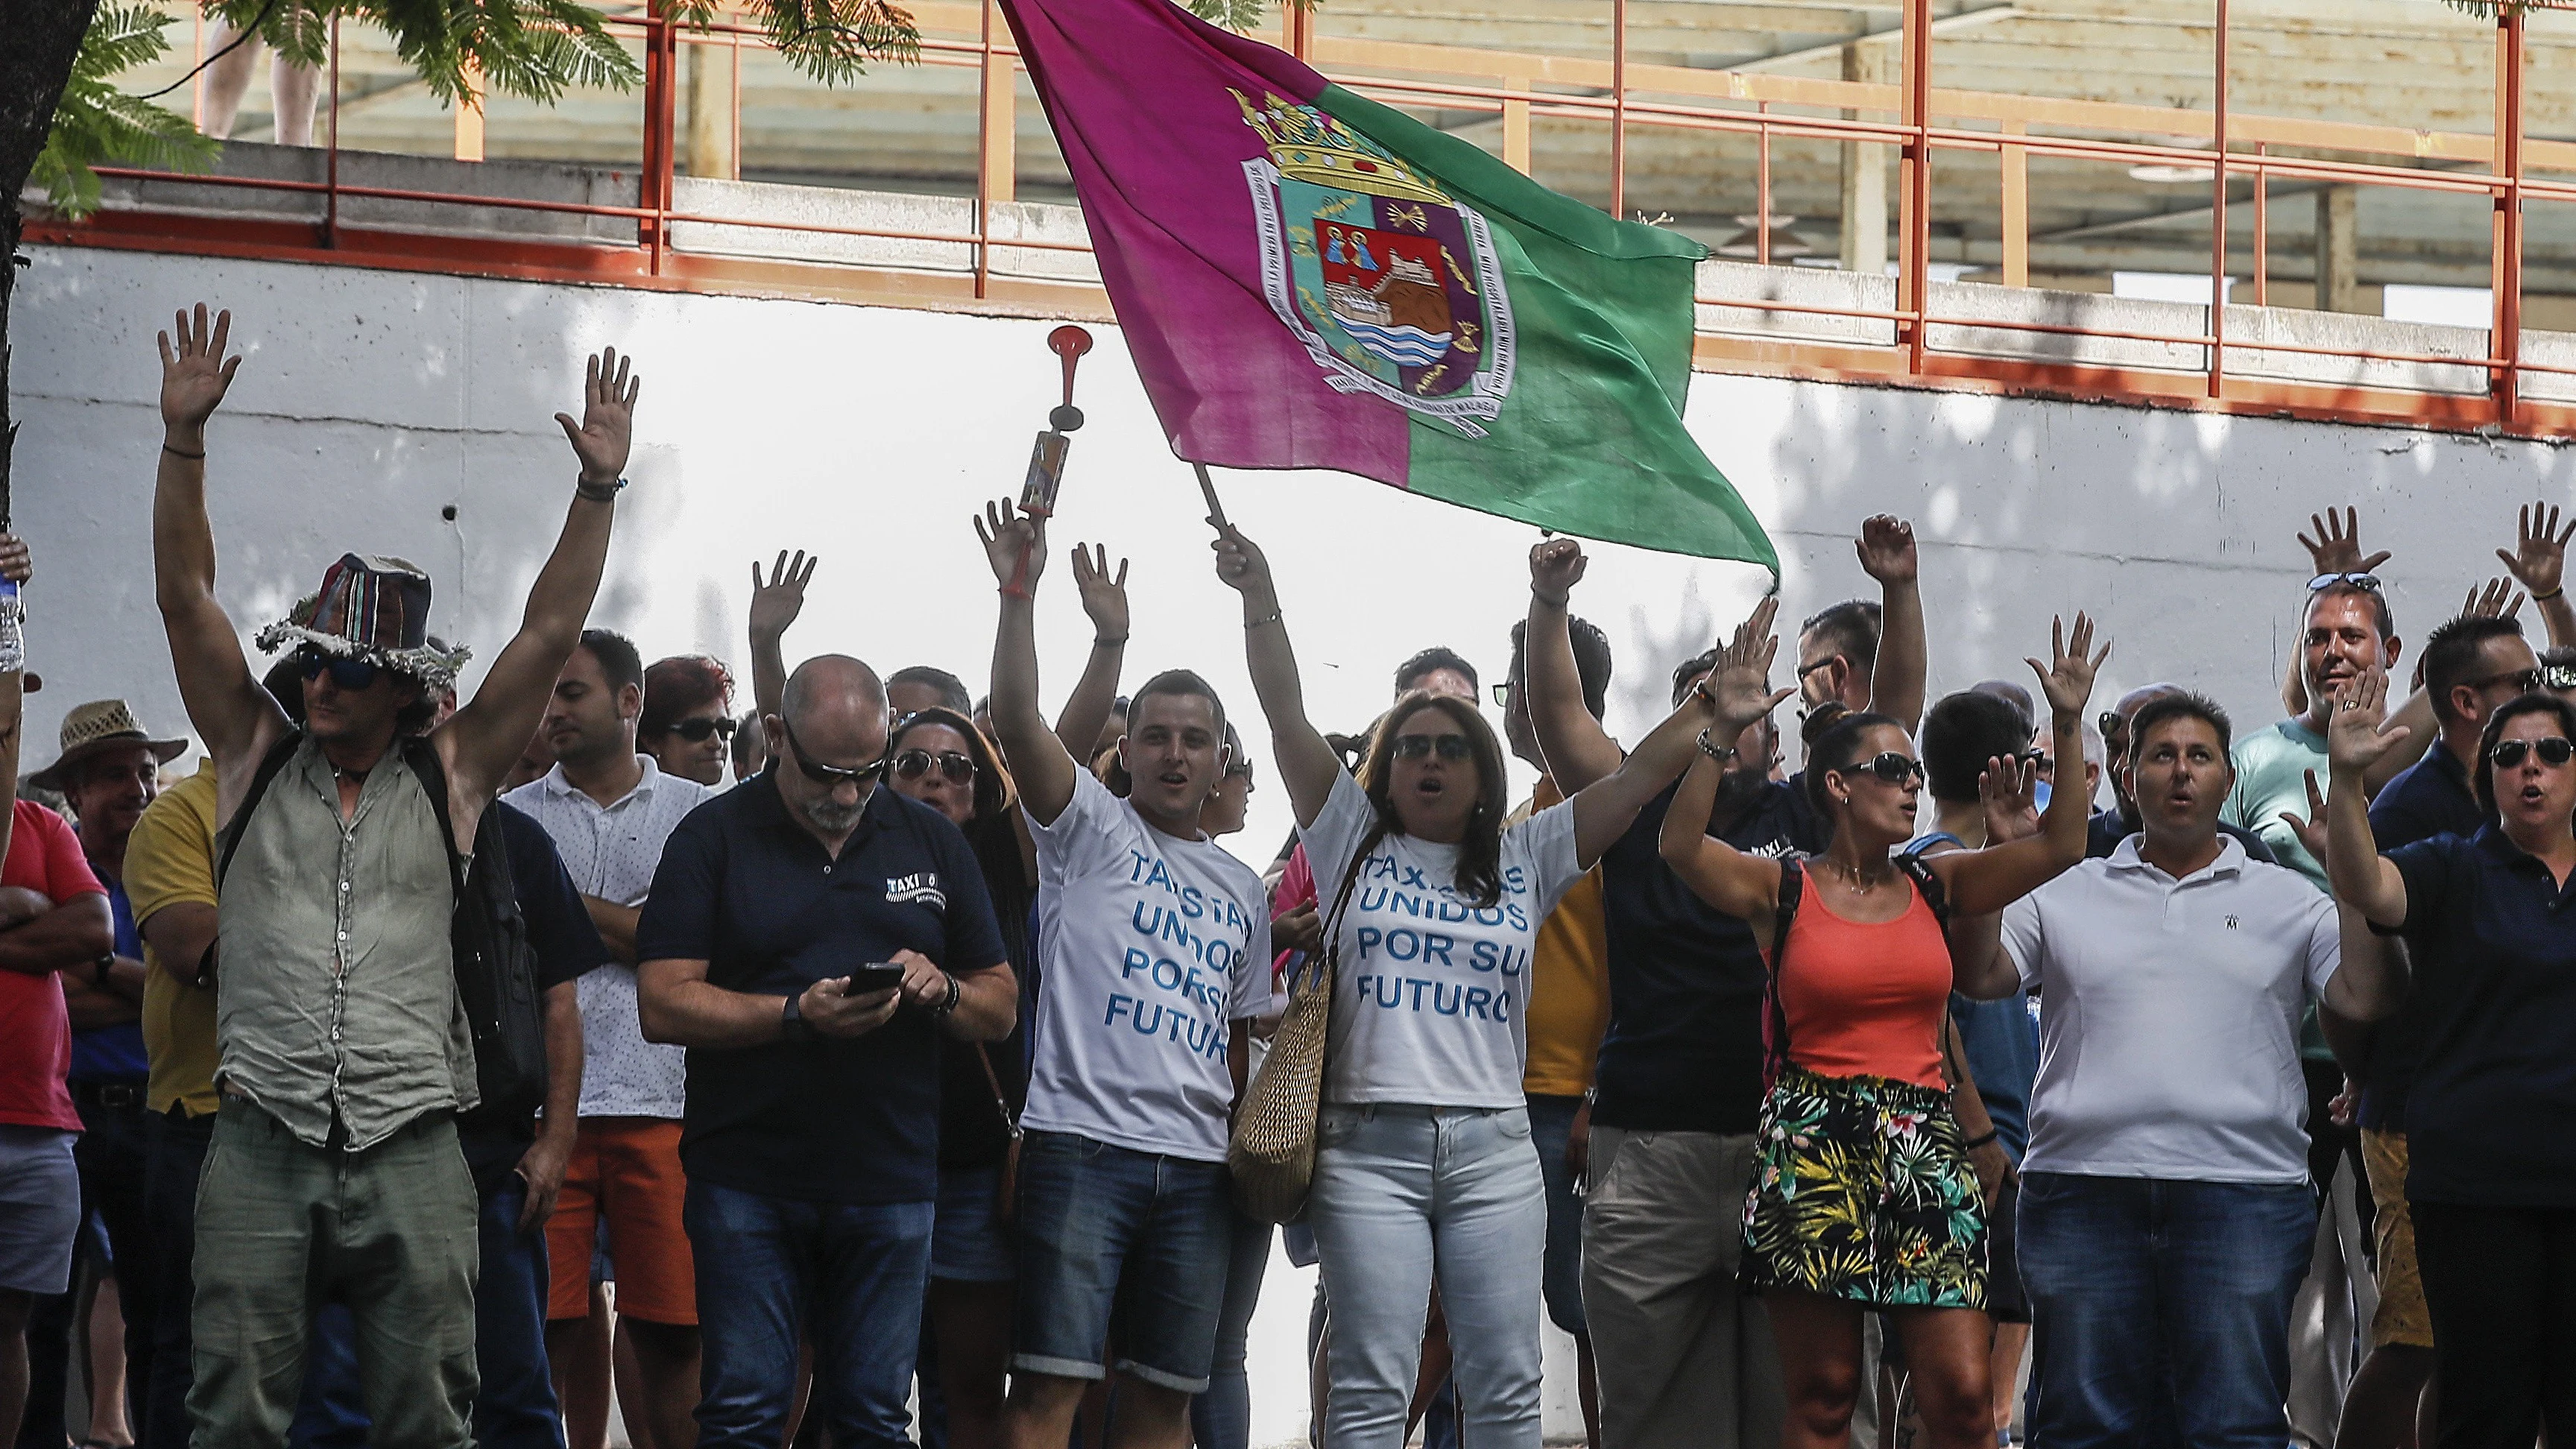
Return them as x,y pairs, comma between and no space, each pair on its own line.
371,401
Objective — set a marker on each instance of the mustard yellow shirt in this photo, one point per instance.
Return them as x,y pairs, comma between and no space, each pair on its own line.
1569,1004
170,860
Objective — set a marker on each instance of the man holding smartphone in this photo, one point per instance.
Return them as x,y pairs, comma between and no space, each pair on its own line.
808,937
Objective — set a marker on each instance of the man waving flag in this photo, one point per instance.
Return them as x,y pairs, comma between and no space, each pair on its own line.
1308,279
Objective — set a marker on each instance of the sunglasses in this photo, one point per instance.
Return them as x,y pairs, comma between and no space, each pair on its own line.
1891,767
1806,669
2112,723
2037,760
2558,676
822,774
953,767
2523,680
1415,747
2368,583
1503,695
348,674
2555,750
695,731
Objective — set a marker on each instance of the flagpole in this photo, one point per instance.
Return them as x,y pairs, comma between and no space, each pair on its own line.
1207,490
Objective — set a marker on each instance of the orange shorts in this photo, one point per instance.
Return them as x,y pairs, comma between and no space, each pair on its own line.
626,1170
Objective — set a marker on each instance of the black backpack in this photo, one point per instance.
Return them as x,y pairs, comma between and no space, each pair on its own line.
1793,883
496,964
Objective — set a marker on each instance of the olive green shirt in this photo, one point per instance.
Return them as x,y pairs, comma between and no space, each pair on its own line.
338,989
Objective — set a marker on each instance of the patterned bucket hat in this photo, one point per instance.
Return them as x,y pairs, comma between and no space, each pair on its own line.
373,608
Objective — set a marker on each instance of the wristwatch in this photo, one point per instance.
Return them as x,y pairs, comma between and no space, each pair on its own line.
99,969
792,1025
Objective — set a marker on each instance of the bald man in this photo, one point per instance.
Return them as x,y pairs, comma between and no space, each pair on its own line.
809,937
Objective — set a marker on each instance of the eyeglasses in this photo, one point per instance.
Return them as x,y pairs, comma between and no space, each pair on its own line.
1415,747
2558,676
822,774
1806,669
1503,695
1241,772
2555,750
695,731
349,674
2368,583
2523,680
953,767
1891,767
2112,723
2039,760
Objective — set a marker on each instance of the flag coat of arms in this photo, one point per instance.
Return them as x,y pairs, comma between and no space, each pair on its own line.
1308,279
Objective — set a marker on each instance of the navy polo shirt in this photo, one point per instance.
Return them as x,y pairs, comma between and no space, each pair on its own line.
2433,796
560,929
113,1053
2493,942
744,888
1683,1052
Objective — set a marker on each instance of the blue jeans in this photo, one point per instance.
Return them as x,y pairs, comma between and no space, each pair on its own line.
2119,1268
1221,1418
1110,1233
1551,1128
515,1406
1405,1193
769,1265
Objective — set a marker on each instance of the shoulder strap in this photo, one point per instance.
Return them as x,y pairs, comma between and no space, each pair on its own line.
1793,886
1928,881
422,757
269,765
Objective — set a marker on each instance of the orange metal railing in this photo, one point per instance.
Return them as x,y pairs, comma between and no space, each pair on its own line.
1616,91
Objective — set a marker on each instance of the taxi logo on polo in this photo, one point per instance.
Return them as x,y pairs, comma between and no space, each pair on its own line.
924,887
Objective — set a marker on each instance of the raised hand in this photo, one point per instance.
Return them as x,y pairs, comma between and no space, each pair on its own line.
1556,566
2068,681
1886,546
1104,599
2496,601
1241,566
2539,558
2311,830
606,431
1738,686
1014,544
2336,549
195,374
2008,791
776,603
2359,732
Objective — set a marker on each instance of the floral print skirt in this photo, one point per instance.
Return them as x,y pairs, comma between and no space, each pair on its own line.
1863,1192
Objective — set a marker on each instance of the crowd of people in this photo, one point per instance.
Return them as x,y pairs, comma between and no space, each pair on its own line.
885,1042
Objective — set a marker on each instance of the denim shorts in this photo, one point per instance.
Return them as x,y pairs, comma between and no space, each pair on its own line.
1111,1235
40,1209
970,1245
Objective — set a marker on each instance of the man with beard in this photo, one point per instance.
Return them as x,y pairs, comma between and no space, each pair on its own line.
1684,1358
609,808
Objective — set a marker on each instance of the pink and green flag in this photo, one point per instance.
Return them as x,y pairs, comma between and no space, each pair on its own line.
1308,279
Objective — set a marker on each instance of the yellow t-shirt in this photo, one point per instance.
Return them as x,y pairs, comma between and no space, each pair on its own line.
1569,1001
170,860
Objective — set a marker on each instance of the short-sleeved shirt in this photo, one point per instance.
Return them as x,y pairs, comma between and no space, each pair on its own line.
1431,996
35,1027
1149,947
2110,827
2493,943
2433,796
747,890
2272,768
170,861
612,852
1569,996
114,1053
1684,1049
2169,1016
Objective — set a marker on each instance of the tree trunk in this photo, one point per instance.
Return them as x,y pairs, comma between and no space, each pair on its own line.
45,36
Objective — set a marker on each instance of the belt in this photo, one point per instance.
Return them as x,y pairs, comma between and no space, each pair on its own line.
108,1094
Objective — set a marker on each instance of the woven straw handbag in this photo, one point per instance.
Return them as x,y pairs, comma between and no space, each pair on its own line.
1271,1154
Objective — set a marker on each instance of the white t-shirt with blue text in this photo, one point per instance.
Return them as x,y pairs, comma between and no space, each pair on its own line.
1149,947
1431,993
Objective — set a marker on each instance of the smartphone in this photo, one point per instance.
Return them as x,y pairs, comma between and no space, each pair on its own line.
875,976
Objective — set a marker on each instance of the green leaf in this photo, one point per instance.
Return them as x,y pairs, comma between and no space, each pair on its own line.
1238,15
96,124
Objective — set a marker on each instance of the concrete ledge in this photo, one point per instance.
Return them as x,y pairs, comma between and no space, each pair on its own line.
1805,286
519,180
823,206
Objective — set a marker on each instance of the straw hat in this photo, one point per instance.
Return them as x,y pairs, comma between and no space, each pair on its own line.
101,724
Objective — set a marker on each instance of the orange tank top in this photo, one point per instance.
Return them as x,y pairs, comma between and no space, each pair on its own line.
1866,1000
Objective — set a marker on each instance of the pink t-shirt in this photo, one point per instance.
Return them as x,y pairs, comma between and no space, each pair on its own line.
35,1029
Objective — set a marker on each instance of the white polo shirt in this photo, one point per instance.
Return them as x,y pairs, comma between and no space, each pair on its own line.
611,852
2169,1016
